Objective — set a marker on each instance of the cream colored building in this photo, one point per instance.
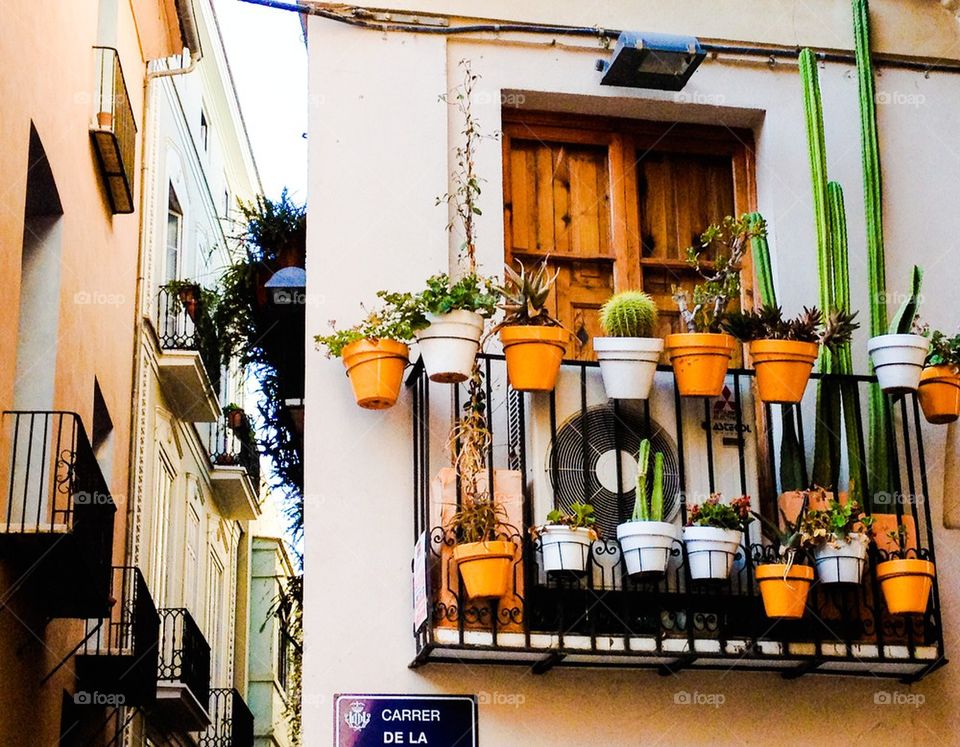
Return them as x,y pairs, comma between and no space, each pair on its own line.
381,148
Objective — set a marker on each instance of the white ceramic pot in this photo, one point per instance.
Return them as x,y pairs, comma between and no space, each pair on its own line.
646,545
565,549
842,562
627,365
450,344
710,551
898,360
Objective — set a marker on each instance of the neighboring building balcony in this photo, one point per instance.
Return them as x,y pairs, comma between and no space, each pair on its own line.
189,361
56,513
183,678
574,445
119,655
235,471
231,722
114,131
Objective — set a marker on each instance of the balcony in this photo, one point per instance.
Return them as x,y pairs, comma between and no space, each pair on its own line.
56,513
231,722
189,362
183,678
114,132
574,445
235,473
119,654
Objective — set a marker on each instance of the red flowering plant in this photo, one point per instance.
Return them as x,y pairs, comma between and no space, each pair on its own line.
713,513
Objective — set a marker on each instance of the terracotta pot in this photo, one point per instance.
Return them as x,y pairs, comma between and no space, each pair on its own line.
485,567
906,585
235,419
375,368
700,362
105,120
534,355
783,368
784,591
940,394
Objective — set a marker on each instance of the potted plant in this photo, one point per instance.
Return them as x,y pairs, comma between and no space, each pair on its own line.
701,355
628,352
226,460
235,415
187,294
898,356
840,537
646,541
533,341
374,352
939,390
448,319
784,350
905,582
566,538
784,585
713,535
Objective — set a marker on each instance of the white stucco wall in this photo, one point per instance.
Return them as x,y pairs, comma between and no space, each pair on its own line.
379,143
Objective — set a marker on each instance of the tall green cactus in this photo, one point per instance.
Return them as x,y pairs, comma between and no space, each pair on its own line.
648,506
879,416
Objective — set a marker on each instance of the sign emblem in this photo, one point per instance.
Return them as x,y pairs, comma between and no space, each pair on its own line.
357,717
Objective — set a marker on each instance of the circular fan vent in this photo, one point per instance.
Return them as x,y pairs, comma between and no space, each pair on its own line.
568,463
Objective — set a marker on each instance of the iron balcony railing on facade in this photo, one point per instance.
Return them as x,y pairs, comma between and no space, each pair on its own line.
184,653
235,447
575,445
183,323
119,653
231,722
114,131
57,512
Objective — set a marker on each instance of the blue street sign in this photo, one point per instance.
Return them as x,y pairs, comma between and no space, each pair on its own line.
434,720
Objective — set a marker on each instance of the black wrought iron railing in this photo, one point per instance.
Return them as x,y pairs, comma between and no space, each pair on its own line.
231,722
115,131
184,653
575,445
183,323
119,653
235,447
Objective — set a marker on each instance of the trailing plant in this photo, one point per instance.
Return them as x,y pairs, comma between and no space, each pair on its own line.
388,323
524,296
905,320
726,244
835,523
714,513
944,351
441,296
786,536
809,326
232,407
629,313
470,439
580,516
648,507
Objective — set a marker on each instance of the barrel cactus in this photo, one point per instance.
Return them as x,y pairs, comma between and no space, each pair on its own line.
630,313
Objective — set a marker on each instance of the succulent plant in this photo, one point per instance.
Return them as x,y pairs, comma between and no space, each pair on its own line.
629,313
903,321
525,296
648,508
809,326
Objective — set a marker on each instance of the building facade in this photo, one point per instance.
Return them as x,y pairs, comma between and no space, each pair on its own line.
613,183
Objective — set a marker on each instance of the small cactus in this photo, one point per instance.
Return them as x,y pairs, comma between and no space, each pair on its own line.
648,508
629,314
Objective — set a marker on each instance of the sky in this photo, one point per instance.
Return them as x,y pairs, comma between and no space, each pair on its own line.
269,63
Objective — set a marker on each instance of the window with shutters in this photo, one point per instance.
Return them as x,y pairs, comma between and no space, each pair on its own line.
615,204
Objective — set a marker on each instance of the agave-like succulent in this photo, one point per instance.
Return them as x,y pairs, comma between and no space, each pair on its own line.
809,326
838,329
525,295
